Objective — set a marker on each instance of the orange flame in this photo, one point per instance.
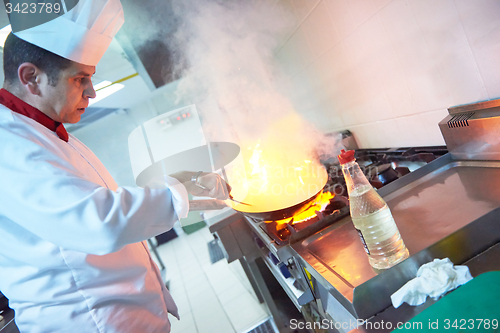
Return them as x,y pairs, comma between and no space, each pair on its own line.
320,205
274,173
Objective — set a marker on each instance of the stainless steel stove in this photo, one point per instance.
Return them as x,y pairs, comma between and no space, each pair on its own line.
381,166
445,205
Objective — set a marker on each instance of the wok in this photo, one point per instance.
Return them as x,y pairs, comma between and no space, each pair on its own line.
269,207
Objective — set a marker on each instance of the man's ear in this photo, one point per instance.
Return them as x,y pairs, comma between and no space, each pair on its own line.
29,77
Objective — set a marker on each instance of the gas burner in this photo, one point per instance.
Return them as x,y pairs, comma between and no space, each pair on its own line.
382,166
284,232
380,175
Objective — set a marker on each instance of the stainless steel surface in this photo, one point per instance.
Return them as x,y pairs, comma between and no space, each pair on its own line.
433,208
217,220
444,200
475,106
348,140
473,133
483,262
286,256
234,234
446,208
8,325
486,261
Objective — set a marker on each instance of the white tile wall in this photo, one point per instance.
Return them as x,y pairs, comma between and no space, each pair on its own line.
292,56
388,69
481,23
302,8
319,32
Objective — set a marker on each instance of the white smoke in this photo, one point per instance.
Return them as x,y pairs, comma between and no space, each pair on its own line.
233,79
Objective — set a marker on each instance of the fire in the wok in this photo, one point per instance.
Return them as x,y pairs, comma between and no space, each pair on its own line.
319,206
274,180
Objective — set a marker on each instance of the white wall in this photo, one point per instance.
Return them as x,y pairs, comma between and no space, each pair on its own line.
388,69
385,69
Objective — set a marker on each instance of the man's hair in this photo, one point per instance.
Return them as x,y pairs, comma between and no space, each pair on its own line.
17,51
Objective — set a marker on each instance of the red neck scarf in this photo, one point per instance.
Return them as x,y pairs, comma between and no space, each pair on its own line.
20,106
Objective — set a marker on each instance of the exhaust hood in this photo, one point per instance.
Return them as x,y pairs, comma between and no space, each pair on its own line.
147,38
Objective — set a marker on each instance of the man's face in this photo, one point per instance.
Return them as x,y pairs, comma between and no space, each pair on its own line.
66,102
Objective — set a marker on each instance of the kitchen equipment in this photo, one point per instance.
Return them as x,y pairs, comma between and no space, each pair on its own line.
270,207
198,158
254,212
446,205
250,240
162,146
306,223
375,163
438,208
445,208
278,214
286,247
472,131
278,192
386,174
4,302
236,201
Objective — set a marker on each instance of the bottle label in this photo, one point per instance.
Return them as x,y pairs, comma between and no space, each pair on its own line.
363,241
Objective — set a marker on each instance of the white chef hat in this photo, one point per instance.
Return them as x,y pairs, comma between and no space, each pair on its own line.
82,34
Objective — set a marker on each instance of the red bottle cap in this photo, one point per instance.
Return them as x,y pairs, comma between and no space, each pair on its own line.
346,156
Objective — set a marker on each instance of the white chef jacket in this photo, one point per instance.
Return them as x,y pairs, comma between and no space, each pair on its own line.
72,250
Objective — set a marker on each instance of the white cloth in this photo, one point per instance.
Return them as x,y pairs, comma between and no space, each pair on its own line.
433,279
83,34
72,254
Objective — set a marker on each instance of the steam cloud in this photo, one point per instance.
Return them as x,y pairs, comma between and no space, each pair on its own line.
232,78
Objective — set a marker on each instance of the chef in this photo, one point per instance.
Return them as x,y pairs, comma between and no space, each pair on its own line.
73,256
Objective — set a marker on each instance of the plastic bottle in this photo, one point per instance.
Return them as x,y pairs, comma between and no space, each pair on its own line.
372,217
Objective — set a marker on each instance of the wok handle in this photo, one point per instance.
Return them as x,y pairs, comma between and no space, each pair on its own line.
208,204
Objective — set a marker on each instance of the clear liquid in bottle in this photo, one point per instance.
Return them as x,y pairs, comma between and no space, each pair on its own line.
372,218
381,237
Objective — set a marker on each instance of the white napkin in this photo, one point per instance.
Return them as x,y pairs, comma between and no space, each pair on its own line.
433,279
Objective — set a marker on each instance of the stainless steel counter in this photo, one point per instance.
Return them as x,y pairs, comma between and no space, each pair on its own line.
484,262
7,324
436,208
447,208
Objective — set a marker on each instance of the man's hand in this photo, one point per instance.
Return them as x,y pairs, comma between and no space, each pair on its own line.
204,185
